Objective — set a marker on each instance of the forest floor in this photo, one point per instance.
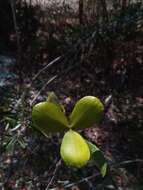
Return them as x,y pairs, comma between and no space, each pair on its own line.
31,163
28,159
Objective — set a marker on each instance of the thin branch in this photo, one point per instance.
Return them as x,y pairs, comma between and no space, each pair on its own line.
98,174
82,180
54,174
81,4
48,82
46,67
34,78
19,48
15,25
126,162
44,86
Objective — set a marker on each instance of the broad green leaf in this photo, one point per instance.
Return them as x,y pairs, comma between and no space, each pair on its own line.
98,158
48,117
74,149
87,111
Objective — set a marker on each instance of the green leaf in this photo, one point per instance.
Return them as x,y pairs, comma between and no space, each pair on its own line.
98,158
74,149
48,117
87,111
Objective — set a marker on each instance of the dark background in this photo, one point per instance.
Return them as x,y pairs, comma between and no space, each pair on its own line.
101,49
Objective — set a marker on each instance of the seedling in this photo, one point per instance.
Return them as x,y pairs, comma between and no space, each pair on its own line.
49,117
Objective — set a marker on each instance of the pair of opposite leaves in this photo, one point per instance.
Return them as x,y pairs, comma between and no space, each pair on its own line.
49,117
